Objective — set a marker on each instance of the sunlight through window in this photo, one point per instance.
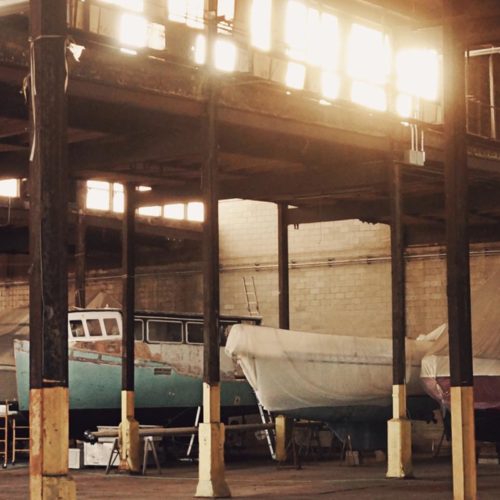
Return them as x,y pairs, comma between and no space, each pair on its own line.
133,30
295,75
98,195
417,73
225,53
154,211
135,5
174,211
404,105
195,13
260,24
369,95
295,30
368,55
9,188
118,198
195,211
330,85
225,9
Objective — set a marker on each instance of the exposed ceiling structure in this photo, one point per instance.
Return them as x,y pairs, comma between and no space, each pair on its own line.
140,119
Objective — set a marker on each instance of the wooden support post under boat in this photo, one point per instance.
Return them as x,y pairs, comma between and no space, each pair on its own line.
399,463
283,277
80,246
457,243
211,473
129,427
48,179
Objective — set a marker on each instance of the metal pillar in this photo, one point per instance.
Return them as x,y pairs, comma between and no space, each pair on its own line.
48,179
80,246
491,77
129,427
457,242
399,427
283,277
211,474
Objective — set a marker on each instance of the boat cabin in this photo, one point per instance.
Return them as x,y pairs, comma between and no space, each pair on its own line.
150,327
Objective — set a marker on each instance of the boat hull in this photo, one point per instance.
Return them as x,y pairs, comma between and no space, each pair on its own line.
157,384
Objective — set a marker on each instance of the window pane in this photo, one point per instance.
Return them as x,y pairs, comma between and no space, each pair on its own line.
76,327
94,327
225,55
195,13
295,75
195,333
174,211
133,30
260,24
150,211
368,54
111,326
330,42
369,95
296,30
330,85
10,188
417,73
195,211
224,328
98,195
138,325
177,10
164,331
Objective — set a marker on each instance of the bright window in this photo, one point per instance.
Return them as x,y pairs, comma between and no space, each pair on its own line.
417,73
295,30
174,211
133,30
295,75
195,211
260,24
330,85
135,5
118,198
98,196
369,95
10,188
154,211
225,53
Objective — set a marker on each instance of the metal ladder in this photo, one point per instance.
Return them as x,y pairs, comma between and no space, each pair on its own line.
266,418
4,435
251,295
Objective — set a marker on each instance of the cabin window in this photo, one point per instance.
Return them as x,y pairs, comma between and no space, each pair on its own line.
195,333
138,325
224,328
94,328
76,327
164,331
111,327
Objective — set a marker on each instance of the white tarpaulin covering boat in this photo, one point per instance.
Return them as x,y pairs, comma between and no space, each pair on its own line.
324,374
485,347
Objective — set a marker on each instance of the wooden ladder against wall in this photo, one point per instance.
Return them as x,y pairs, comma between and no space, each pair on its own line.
251,295
20,439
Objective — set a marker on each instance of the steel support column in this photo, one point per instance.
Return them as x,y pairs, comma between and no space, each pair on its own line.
80,246
211,474
457,243
48,178
129,427
283,276
399,427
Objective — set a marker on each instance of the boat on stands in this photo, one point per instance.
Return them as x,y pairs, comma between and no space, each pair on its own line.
345,381
168,367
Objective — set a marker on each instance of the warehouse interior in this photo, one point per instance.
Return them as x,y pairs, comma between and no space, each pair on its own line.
299,169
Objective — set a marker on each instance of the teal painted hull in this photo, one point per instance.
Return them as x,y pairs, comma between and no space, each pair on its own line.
95,384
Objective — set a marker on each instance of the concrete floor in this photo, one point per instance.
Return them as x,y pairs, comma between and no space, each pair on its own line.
257,480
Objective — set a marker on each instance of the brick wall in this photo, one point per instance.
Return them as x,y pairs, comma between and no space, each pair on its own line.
339,276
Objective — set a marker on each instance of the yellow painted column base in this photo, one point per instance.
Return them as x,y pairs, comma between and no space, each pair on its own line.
463,443
283,434
49,478
211,476
128,435
52,488
399,463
